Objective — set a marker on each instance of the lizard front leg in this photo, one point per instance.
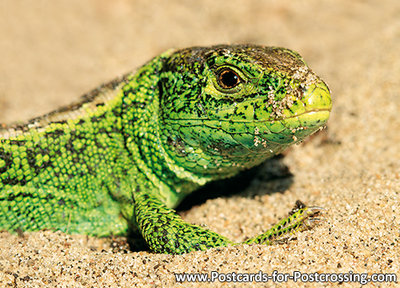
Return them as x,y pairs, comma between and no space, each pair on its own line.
301,218
166,232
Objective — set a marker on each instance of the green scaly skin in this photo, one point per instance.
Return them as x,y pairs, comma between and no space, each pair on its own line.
131,150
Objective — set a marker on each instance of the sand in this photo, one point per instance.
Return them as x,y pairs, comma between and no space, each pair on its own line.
54,51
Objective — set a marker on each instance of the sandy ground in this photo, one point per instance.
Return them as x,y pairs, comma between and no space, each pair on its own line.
54,51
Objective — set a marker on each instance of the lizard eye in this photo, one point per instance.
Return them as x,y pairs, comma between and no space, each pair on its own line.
227,78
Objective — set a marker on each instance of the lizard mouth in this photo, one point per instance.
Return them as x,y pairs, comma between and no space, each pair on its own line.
306,113
266,138
309,119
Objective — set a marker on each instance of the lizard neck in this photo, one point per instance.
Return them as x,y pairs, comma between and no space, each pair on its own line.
143,136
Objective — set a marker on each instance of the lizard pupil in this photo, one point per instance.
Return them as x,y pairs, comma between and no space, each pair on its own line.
228,79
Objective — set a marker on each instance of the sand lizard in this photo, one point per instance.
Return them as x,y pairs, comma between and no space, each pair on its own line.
128,152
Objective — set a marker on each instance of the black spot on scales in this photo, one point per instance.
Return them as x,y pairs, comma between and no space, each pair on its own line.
55,133
18,143
117,112
59,122
31,157
96,119
7,158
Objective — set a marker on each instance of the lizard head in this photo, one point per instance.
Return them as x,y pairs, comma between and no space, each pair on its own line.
233,106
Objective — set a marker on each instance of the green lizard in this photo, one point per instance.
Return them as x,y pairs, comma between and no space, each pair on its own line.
128,152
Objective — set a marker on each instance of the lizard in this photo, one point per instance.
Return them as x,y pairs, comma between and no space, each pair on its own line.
125,155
